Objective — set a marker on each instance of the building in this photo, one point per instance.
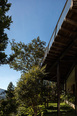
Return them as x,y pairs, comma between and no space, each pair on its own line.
61,53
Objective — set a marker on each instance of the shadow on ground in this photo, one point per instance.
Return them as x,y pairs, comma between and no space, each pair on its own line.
65,110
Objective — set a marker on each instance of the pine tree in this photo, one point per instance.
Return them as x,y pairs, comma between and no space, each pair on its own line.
8,106
10,91
5,22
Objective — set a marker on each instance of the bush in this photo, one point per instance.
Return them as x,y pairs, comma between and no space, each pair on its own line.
68,96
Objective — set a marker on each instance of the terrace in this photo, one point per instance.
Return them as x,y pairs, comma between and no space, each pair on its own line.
61,53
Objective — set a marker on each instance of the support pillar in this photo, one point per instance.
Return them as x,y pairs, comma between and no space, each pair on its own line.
76,88
58,89
65,86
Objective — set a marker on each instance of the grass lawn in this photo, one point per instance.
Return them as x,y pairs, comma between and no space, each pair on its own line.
65,110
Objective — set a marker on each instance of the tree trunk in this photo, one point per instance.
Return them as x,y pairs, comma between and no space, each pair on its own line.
35,113
47,103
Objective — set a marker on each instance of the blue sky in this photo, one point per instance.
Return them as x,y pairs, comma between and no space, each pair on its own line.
31,18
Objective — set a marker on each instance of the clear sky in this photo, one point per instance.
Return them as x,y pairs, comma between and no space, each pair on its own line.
31,18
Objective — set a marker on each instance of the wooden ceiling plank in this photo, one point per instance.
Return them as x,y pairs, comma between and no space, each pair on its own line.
63,53
63,37
73,10
68,31
71,22
54,51
60,43
58,48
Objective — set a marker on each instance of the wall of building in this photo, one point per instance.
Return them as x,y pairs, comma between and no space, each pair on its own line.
70,83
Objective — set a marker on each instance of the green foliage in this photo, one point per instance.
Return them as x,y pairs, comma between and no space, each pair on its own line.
26,56
29,88
10,90
8,105
68,96
65,110
5,22
49,92
1,113
24,111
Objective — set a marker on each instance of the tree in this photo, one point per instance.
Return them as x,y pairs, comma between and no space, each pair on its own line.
46,92
5,22
10,91
10,98
8,106
26,56
29,89
49,92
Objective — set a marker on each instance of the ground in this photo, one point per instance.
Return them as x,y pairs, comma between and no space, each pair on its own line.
65,110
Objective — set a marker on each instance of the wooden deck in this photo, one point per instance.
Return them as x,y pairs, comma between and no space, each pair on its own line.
63,44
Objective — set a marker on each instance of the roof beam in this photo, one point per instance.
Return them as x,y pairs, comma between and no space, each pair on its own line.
69,31
55,47
74,10
71,22
54,51
60,43
62,37
63,54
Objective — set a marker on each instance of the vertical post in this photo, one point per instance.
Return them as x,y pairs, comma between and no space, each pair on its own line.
76,88
65,86
58,89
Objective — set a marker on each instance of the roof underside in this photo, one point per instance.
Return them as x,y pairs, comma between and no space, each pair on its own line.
64,47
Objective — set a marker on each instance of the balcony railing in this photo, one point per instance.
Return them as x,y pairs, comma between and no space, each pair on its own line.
65,10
